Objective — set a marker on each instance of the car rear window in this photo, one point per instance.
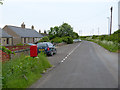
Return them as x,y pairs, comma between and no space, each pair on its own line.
41,45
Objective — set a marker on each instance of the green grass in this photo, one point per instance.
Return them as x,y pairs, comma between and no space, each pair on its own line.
109,45
23,71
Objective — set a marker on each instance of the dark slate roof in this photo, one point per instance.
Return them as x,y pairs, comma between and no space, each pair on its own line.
44,34
24,32
4,34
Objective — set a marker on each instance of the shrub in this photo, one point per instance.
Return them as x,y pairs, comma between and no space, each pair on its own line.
23,71
65,39
20,44
56,40
4,49
44,39
68,40
94,36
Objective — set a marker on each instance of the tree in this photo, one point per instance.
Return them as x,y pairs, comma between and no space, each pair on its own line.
65,30
51,33
75,35
44,39
62,31
1,2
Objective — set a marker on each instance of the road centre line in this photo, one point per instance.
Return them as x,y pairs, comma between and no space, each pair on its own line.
70,53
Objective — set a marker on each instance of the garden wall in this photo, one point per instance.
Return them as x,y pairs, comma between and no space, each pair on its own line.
4,56
19,53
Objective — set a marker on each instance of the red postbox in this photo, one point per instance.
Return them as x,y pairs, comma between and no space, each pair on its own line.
33,51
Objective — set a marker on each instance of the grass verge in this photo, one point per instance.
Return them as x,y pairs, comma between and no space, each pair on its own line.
109,45
23,71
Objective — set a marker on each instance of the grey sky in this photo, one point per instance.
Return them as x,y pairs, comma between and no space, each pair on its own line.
85,15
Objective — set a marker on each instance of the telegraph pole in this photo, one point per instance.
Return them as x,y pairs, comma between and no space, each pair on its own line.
98,31
80,32
111,20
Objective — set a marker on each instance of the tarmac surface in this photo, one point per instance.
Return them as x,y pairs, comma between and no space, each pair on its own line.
81,65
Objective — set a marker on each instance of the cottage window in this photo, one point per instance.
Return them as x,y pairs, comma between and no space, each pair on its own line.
24,40
33,39
7,41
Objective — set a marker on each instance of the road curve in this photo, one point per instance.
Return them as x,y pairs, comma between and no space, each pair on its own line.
88,66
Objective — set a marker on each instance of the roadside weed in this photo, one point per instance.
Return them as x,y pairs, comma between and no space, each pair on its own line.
23,71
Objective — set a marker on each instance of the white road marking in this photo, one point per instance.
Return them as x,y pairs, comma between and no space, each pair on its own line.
70,53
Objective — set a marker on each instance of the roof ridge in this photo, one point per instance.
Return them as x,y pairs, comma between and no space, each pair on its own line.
24,32
19,27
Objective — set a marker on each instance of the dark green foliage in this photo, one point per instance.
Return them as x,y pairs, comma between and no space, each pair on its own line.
1,2
65,30
62,31
75,35
44,39
103,37
56,40
68,40
4,49
53,32
94,36
20,44
113,38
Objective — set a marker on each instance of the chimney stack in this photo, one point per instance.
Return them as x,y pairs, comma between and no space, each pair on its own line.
39,31
23,25
32,27
45,32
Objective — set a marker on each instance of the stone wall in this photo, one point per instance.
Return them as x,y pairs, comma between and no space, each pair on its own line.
19,53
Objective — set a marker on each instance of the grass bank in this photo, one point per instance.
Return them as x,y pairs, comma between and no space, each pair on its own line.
23,71
109,45
109,42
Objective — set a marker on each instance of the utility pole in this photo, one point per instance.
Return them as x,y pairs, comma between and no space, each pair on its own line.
80,32
98,31
93,32
111,20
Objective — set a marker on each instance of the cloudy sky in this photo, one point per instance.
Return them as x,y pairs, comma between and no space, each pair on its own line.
85,16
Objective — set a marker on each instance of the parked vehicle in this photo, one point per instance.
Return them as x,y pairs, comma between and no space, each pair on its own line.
46,47
77,40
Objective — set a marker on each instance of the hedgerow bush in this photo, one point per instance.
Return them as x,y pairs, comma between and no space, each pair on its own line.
68,40
56,40
44,39
110,42
4,49
23,71
20,44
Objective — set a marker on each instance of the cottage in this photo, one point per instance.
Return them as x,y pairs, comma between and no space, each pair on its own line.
22,35
5,39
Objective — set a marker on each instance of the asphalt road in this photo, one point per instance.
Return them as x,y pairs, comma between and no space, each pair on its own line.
82,65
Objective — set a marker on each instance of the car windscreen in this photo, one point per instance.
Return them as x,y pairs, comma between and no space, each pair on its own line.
50,44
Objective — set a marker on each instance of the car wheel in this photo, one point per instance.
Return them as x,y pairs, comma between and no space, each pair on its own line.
51,53
55,52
